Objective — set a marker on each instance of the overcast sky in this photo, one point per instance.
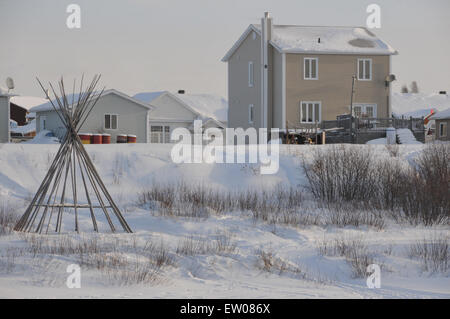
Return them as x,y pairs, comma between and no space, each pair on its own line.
145,45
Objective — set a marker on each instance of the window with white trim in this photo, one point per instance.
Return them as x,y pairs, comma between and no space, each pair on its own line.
442,129
311,68
111,121
365,69
160,134
250,74
365,110
310,112
251,113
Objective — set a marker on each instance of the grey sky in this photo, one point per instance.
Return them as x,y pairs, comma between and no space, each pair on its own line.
143,45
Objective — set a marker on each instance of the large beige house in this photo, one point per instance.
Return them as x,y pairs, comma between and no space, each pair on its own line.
289,76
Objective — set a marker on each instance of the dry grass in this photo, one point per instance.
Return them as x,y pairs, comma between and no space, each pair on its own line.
221,244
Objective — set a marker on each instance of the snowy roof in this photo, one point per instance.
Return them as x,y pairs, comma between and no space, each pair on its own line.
418,104
74,97
27,102
207,105
147,97
333,40
445,114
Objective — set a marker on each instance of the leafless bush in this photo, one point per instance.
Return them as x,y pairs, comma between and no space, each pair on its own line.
349,214
341,173
199,201
191,246
433,253
393,150
268,261
354,251
8,218
121,161
430,185
121,262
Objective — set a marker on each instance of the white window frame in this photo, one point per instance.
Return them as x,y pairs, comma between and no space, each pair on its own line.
441,126
307,111
363,108
308,60
251,74
364,69
251,113
162,135
110,121
43,122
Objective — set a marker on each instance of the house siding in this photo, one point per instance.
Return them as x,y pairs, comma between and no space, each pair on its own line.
132,118
240,95
438,123
333,88
4,119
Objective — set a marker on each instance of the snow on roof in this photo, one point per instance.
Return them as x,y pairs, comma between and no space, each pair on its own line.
147,97
418,104
74,97
27,102
207,105
445,114
333,40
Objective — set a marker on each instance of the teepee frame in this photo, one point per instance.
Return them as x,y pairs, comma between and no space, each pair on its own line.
70,163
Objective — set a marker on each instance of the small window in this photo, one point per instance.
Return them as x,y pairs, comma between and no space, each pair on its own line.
159,134
311,68
111,121
442,129
365,110
250,74
310,112
365,69
251,113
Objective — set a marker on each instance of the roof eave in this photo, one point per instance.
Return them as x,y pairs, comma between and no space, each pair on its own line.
238,43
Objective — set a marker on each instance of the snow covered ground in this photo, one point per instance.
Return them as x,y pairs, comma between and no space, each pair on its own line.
298,269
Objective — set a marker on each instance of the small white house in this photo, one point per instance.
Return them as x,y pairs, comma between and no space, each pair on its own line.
173,110
4,116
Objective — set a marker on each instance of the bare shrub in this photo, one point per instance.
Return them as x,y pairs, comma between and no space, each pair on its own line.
8,218
268,261
221,244
341,173
354,251
433,253
393,150
350,214
430,186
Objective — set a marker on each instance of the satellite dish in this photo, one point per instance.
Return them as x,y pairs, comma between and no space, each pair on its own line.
10,83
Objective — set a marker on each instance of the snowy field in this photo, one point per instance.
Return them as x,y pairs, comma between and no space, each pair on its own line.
214,254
